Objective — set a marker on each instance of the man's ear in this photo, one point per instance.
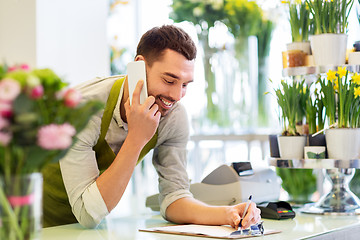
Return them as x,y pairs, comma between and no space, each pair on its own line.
139,57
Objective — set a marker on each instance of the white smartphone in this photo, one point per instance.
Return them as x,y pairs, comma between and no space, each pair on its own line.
136,71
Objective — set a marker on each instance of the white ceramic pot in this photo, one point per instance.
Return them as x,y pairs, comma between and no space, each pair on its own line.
302,46
291,147
343,143
329,48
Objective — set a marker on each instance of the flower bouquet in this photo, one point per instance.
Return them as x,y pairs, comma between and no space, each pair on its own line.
39,118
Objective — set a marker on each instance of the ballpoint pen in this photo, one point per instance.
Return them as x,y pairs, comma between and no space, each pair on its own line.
245,210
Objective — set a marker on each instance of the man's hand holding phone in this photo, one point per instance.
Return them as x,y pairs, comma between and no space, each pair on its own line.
141,112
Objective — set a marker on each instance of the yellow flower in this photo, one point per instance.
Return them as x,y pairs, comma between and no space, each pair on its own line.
357,92
336,85
331,75
356,78
341,71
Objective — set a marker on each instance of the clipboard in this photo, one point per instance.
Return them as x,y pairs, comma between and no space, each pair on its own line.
219,232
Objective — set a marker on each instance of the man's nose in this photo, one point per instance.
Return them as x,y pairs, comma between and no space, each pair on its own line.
177,93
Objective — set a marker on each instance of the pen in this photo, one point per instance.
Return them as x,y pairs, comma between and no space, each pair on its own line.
245,210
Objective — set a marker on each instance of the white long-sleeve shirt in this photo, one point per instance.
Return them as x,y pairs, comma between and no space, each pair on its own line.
79,167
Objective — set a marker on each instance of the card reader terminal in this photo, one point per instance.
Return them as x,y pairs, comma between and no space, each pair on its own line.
276,210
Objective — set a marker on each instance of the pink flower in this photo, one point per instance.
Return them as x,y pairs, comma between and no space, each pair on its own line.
5,138
5,109
24,67
54,137
37,92
9,89
12,68
72,97
3,123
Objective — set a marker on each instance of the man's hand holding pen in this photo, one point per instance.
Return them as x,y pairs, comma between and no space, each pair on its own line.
247,218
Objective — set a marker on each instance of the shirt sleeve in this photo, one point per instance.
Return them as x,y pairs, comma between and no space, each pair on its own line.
79,171
170,158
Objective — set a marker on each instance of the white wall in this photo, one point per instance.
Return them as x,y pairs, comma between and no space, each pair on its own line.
17,31
65,35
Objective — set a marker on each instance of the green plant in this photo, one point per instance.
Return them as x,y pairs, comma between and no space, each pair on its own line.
198,12
304,94
243,17
299,183
340,96
299,18
311,113
289,96
330,16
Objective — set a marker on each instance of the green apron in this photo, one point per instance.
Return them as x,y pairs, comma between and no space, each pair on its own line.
56,206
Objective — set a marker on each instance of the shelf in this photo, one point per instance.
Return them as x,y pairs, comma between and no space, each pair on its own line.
297,71
314,163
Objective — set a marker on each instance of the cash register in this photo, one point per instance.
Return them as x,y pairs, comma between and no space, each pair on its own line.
233,184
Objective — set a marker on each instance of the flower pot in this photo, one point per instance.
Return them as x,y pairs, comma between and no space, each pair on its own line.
291,147
21,207
274,146
329,48
343,143
302,46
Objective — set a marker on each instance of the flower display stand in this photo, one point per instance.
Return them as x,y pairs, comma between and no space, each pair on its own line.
340,200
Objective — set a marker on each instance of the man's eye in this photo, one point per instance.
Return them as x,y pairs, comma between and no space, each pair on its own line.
167,81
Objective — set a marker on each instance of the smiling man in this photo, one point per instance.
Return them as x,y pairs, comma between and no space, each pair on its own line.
91,179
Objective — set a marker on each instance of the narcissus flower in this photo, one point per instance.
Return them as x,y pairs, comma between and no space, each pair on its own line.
342,71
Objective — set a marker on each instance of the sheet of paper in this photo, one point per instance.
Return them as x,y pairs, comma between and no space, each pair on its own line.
202,230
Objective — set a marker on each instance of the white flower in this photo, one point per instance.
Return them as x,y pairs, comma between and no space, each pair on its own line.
198,11
9,89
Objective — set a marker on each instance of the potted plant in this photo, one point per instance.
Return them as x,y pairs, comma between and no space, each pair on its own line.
300,23
38,121
330,22
341,91
291,143
299,183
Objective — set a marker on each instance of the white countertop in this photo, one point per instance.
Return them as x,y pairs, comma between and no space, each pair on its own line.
303,226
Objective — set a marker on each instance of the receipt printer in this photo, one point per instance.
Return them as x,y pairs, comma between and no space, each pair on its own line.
229,185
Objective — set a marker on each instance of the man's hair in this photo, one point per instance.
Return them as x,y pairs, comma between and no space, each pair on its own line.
153,43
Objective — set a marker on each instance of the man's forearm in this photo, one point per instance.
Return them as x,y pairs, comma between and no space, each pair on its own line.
112,183
190,210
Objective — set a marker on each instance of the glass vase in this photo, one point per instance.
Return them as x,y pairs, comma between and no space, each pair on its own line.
21,207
